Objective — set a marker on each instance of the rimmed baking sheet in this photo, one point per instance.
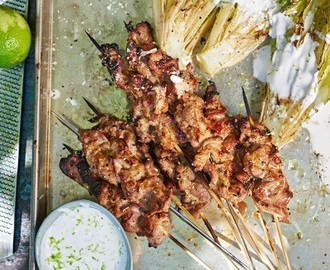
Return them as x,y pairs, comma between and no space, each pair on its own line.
68,68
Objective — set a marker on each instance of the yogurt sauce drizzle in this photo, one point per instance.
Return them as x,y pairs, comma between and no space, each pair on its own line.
83,238
292,71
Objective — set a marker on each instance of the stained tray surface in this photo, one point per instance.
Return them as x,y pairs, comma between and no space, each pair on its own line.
74,71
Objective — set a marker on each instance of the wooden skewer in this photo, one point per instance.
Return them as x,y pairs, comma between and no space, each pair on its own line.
185,249
249,234
187,213
69,148
231,220
207,223
270,240
235,228
203,216
96,44
215,237
280,235
91,106
209,227
232,213
66,123
237,231
247,108
255,241
207,237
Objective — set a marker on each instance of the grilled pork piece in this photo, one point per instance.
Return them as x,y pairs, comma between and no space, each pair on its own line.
169,113
110,196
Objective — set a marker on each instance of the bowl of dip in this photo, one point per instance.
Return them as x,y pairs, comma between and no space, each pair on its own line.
82,235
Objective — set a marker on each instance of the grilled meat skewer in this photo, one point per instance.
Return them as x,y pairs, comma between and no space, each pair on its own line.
239,158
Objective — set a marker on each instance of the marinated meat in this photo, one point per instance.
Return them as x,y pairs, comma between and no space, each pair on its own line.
179,132
226,147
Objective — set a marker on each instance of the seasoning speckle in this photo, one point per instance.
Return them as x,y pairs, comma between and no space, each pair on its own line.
299,235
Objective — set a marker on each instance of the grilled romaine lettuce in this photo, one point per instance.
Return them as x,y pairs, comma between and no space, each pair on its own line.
240,27
181,24
298,78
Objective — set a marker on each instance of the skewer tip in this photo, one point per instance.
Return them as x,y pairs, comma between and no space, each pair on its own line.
66,123
247,107
97,45
69,148
92,107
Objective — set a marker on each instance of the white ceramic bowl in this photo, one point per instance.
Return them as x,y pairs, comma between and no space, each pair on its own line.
82,234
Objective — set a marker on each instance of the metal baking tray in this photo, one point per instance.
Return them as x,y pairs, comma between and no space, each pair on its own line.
68,68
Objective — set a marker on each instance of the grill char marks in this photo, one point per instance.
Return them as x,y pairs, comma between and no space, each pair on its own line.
134,169
166,102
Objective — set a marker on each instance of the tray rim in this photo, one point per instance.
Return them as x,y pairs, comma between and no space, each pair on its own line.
40,174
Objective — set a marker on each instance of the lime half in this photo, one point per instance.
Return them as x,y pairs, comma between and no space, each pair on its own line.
15,38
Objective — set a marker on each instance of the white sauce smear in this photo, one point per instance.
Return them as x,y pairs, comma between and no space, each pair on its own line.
292,71
83,238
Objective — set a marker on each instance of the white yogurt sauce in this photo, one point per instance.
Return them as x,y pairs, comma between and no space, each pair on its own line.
82,238
318,127
279,25
292,72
